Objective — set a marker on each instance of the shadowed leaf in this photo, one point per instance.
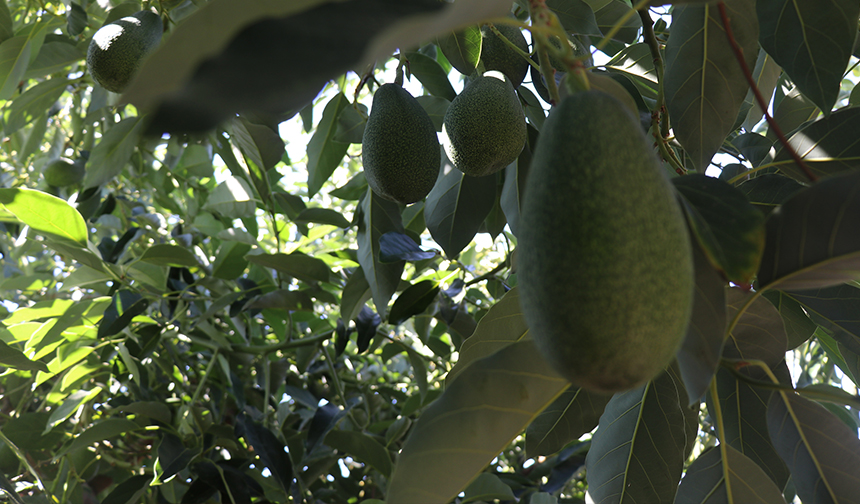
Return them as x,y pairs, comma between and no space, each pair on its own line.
705,481
828,145
767,192
377,217
462,48
574,413
759,332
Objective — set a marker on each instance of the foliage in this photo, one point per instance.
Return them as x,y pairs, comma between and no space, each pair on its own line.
221,311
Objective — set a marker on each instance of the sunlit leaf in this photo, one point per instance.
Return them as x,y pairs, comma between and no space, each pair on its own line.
462,48
113,151
14,58
169,255
46,214
33,103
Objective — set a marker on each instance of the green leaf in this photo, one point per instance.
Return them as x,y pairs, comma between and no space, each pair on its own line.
613,13
811,242
812,43
456,207
33,103
431,75
46,214
435,107
377,217
576,16
503,325
322,216
324,153
230,261
487,487
129,491
14,358
699,354
765,75
355,294
574,413
7,29
768,191
704,84
834,308
792,112
818,448
516,175
53,57
413,300
69,405
705,481
729,229
462,48
462,431
635,61
233,198
113,151
798,327
362,447
301,266
14,58
828,145
170,255
637,453
283,299
350,124
759,333
99,431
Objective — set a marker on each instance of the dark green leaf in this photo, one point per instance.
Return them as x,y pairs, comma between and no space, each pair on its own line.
435,107
431,75
812,241
378,216
612,13
729,229
413,300
324,153
576,16
173,456
99,431
270,449
124,306
811,42
818,448
765,75
637,453
129,491
487,487
758,334
355,293
352,190
76,17
33,103
635,62
322,216
283,299
14,58
705,86
394,246
230,261
7,29
46,214
303,267
516,175
835,308
350,124
574,413
793,111
756,148
113,151
456,207
170,255
705,481
14,358
767,192
52,58
798,327
362,447
462,48
828,145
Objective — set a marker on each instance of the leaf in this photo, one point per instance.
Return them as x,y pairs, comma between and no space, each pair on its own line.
756,148
576,16
768,191
322,216
282,299
516,175
413,300
699,354
394,246
462,48
45,214
503,325
637,452
355,293
817,447
69,405
705,481
169,255
828,146
14,358
324,153
435,107
113,151
798,327
230,261
53,57
765,75
456,207
14,58
635,61
574,413
99,431
270,449
704,84
378,216
487,487
362,447
33,103
431,75
125,305
834,308
758,334
812,43
792,112
463,430
729,229
617,12
301,266
7,29
811,241
129,491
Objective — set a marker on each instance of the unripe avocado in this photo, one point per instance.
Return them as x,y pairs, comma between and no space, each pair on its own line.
118,48
400,149
498,55
604,260
484,128
63,172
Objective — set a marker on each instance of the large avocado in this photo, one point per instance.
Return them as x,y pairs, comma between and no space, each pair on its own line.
118,48
399,149
498,55
604,261
484,128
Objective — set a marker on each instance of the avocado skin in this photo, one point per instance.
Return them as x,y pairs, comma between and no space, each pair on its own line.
400,150
604,260
497,55
484,128
117,49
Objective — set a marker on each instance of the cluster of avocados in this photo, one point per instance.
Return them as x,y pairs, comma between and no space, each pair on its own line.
118,48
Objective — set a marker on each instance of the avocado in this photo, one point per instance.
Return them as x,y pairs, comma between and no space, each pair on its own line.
118,48
484,128
605,265
496,54
63,172
400,150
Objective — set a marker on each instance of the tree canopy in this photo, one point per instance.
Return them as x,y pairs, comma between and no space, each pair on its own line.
202,299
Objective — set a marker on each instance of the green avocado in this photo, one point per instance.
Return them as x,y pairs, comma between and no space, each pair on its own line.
118,48
63,172
484,128
400,150
496,54
605,265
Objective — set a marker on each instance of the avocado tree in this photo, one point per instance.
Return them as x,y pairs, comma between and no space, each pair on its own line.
204,301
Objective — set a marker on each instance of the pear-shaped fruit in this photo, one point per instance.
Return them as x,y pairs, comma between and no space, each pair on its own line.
484,128
496,54
400,150
604,260
118,48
